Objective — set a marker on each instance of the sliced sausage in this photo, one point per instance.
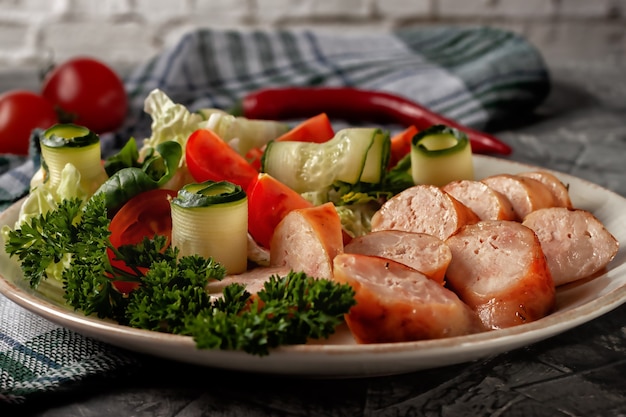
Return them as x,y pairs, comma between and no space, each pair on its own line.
395,303
559,190
498,268
483,200
253,279
423,209
257,253
525,194
575,242
307,240
426,253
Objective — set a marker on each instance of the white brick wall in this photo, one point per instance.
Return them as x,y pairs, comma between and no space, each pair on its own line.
508,9
125,32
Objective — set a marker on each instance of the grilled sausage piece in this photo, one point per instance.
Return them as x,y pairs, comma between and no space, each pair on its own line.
396,303
557,188
575,242
253,279
307,240
423,209
525,194
498,268
483,200
257,253
423,252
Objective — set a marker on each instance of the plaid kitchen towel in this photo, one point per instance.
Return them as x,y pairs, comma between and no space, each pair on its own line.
473,75
476,75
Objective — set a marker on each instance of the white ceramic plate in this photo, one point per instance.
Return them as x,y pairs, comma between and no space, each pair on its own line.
340,357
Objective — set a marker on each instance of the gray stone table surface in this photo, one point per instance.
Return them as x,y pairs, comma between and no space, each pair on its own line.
580,130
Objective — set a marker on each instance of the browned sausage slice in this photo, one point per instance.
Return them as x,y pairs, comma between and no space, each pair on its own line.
426,253
483,200
525,194
307,240
396,303
498,268
575,242
253,279
557,188
257,253
423,209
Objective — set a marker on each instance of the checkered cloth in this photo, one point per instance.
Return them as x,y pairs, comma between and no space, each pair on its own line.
476,75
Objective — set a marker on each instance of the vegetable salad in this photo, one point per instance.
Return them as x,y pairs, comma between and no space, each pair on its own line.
136,238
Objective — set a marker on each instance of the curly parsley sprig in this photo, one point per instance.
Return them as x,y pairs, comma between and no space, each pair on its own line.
288,310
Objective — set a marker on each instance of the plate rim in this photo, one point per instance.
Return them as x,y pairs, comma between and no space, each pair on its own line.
467,348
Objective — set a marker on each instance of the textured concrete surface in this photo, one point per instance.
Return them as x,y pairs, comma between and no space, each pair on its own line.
580,130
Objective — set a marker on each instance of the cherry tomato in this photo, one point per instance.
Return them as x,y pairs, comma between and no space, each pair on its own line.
144,215
87,92
22,111
210,158
269,201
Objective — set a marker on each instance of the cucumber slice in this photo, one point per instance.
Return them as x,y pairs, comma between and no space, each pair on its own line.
64,144
440,155
68,135
377,159
211,220
353,155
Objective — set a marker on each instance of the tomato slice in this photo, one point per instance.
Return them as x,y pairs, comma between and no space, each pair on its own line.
269,201
210,158
317,129
144,215
253,156
401,144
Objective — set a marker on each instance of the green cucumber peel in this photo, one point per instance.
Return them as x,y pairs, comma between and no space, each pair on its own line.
208,193
68,135
439,133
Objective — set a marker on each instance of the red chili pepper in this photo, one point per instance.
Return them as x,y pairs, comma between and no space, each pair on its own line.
352,104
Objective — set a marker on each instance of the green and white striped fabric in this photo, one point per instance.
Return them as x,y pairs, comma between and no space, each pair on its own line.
37,356
475,75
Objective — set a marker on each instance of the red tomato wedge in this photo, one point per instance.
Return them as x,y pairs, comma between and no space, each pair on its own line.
401,144
144,215
317,129
269,201
210,158
253,156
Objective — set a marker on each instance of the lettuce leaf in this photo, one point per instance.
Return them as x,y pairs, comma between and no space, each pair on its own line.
170,121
